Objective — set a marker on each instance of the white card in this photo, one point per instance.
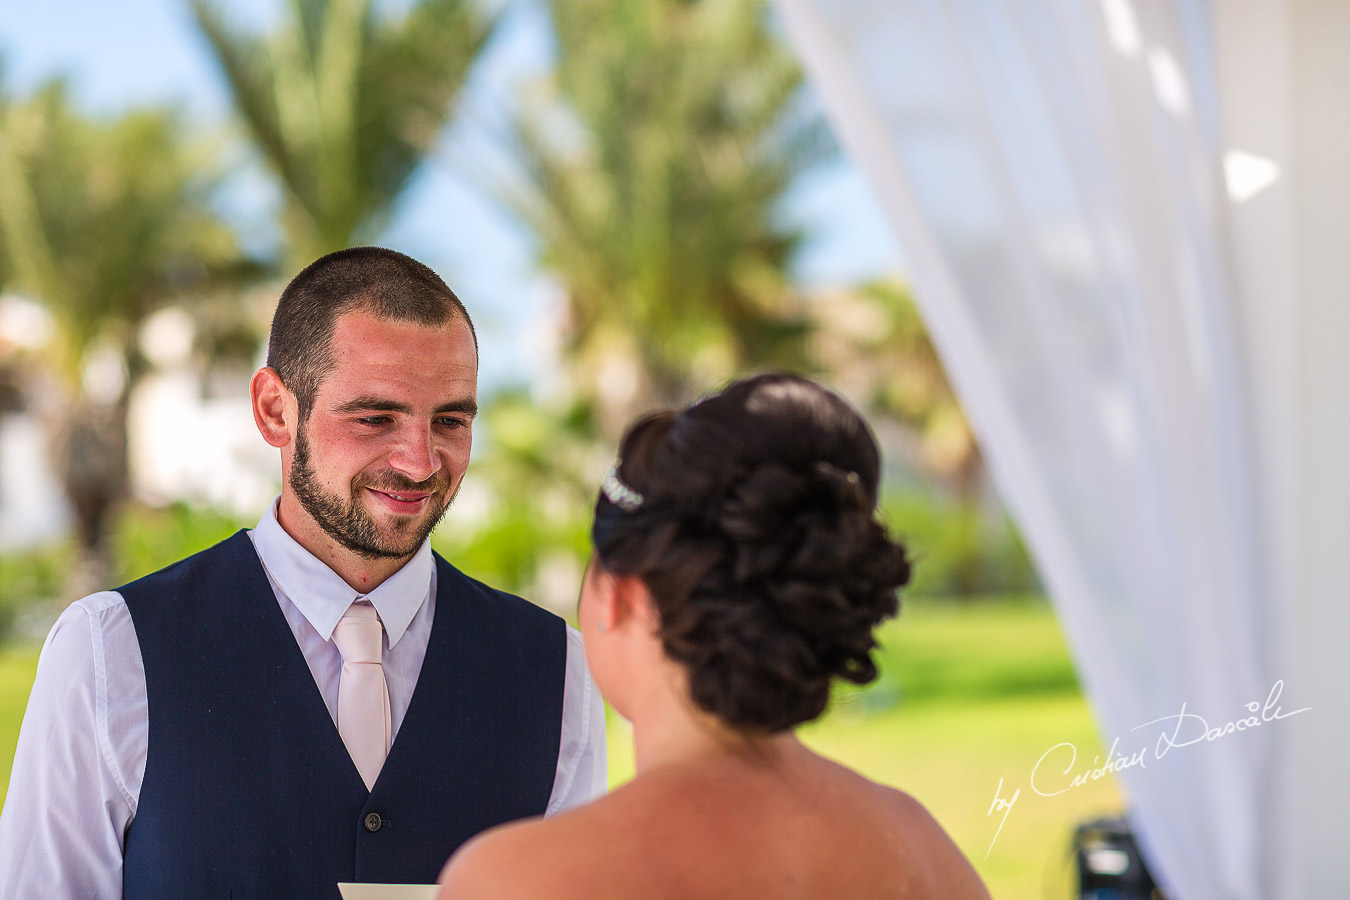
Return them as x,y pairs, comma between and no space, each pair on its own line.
353,891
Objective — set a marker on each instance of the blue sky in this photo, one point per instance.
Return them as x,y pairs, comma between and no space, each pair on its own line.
134,52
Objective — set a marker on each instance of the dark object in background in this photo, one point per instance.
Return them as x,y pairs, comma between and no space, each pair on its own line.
12,396
1110,866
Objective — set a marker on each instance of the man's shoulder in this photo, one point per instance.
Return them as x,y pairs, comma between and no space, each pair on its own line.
236,544
224,570
93,606
78,633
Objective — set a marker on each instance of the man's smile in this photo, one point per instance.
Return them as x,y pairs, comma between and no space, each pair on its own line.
405,502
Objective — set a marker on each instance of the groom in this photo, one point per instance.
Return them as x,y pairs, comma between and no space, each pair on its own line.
323,698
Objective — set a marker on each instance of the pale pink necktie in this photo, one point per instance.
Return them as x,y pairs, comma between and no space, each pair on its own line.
363,696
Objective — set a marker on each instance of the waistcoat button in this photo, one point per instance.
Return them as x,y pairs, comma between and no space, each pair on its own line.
373,822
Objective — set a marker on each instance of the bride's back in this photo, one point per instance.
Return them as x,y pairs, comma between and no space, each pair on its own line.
789,828
804,828
739,569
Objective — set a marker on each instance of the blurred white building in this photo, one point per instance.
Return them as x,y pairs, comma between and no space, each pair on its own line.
191,435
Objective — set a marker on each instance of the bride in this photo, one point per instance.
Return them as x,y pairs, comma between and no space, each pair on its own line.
739,568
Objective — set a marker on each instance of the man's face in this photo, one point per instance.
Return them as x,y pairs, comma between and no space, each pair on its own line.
386,444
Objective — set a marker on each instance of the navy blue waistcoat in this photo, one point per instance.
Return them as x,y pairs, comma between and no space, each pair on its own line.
249,791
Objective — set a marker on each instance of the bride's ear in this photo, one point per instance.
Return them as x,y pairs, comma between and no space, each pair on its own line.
633,604
615,601
602,603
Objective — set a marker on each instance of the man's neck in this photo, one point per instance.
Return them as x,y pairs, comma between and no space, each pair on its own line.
362,574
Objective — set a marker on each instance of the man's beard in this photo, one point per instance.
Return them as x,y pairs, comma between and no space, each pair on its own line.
349,524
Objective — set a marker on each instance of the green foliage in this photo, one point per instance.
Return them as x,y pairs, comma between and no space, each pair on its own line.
146,539
540,467
344,104
651,175
958,549
143,540
31,577
508,550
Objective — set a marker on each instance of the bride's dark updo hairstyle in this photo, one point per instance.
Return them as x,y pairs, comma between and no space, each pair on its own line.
751,518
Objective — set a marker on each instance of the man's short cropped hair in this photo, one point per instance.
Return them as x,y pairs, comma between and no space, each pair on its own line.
382,283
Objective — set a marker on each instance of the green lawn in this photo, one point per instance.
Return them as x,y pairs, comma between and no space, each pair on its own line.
969,694
16,678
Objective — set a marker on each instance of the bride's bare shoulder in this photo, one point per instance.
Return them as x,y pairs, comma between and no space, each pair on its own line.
638,840
939,862
491,866
559,857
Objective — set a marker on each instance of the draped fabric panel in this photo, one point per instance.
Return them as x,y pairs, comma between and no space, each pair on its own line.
1284,70
1055,173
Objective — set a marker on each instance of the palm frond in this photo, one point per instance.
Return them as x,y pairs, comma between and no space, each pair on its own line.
653,175
105,220
345,104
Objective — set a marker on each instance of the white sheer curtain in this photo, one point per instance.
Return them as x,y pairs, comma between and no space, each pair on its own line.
1054,172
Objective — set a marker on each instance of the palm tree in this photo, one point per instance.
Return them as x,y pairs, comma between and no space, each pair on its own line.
651,176
873,343
102,222
343,105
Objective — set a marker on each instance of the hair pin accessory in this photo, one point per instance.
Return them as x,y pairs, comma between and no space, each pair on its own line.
618,493
828,468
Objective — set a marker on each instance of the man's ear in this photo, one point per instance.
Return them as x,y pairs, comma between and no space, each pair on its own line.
270,398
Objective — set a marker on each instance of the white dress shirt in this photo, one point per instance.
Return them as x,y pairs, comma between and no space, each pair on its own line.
81,754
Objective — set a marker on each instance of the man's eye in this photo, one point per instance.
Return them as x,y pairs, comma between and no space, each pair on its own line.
452,422
373,420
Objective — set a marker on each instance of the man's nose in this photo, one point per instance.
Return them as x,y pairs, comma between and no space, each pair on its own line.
414,454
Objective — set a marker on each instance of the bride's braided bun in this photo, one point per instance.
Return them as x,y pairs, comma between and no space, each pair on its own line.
750,517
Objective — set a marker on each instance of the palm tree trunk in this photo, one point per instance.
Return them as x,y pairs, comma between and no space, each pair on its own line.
91,462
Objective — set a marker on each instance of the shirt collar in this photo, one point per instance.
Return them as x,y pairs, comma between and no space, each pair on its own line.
320,593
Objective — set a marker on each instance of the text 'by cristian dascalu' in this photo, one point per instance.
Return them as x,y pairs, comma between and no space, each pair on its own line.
1051,774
